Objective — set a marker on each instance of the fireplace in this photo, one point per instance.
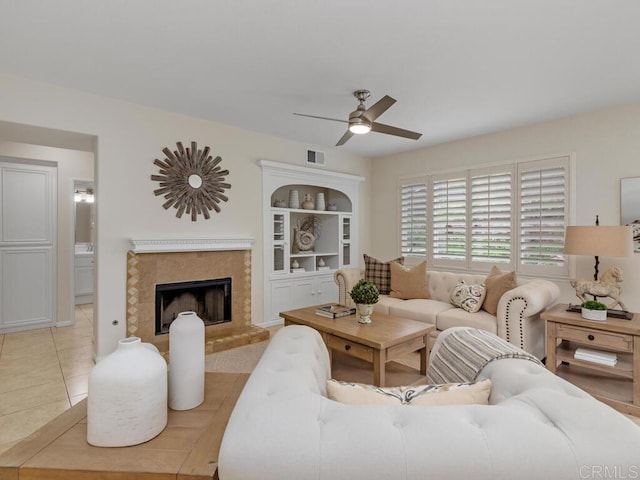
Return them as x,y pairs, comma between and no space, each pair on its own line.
209,299
181,261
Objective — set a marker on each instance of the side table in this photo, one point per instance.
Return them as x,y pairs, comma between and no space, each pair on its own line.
617,386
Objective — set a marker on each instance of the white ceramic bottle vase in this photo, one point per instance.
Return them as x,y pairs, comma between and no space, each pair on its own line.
320,201
186,361
127,399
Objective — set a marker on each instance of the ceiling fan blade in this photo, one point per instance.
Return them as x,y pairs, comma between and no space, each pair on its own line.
321,118
378,108
398,132
348,134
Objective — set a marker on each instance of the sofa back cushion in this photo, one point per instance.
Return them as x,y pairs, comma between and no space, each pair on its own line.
442,284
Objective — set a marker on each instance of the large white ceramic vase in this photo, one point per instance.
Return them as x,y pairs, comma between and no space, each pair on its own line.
186,361
127,396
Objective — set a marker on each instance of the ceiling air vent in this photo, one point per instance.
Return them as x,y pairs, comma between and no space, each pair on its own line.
317,158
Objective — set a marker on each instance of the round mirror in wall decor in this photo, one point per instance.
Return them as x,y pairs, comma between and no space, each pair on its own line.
191,180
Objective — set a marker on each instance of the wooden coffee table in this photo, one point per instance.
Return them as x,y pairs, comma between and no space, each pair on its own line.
384,339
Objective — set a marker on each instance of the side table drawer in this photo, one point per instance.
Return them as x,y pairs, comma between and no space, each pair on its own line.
606,340
350,348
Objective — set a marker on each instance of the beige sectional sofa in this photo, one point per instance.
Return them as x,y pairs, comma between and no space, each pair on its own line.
536,426
517,319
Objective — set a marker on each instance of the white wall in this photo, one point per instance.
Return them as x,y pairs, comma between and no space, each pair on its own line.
606,146
72,164
129,138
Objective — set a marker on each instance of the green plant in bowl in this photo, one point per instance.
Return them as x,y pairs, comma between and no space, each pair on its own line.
364,292
594,310
594,305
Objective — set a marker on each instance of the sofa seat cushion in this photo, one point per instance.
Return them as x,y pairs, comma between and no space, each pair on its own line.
421,310
457,317
385,302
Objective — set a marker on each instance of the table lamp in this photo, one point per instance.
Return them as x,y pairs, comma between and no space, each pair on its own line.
614,241
599,241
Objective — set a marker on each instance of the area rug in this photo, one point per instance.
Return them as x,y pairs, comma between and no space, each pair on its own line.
405,371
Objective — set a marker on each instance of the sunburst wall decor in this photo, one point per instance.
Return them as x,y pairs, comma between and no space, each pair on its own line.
191,180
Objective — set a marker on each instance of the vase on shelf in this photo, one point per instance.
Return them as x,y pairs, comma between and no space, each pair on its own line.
294,199
127,396
186,361
320,201
307,203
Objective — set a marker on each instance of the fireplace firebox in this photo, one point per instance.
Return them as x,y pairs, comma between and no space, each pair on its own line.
210,299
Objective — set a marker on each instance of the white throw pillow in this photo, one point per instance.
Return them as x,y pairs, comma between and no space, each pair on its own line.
468,296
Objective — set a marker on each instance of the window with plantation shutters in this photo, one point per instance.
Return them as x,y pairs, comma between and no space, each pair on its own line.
449,219
413,217
491,216
511,215
543,213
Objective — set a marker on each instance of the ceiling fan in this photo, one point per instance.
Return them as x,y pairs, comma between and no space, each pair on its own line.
362,120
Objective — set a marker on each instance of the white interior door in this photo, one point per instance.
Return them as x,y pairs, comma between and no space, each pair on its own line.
27,245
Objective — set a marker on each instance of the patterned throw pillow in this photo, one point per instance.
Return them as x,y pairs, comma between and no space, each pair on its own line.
379,272
419,395
468,297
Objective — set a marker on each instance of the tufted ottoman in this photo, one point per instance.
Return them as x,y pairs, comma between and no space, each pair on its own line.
537,426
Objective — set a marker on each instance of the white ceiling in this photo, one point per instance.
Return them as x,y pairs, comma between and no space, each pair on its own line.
457,68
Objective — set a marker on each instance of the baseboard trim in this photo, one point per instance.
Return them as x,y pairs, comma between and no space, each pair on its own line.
271,323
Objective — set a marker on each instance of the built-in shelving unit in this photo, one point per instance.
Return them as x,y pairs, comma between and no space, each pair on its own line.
294,277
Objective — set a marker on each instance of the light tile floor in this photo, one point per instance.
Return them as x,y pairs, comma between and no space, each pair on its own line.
43,372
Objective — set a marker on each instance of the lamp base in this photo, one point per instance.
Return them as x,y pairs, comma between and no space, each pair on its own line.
612,313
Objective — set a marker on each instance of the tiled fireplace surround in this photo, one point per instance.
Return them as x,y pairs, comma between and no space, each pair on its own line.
154,261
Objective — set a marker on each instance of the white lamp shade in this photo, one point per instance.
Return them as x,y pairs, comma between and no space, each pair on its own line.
605,241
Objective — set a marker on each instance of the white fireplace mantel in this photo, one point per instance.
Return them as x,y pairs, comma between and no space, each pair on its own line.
190,244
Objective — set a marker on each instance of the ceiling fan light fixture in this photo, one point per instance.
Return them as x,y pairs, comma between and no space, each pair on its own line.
359,126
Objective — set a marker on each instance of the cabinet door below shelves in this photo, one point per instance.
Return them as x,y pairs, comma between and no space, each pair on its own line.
304,293
281,298
327,290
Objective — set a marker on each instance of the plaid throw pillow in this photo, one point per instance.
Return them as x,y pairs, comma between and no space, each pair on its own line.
379,272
